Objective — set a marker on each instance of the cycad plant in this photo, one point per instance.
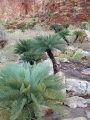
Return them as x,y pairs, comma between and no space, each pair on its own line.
63,34
24,90
32,56
44,44
22,46
56,27
78,33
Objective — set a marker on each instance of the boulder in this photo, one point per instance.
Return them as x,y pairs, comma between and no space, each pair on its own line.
79,118
77,87
76,101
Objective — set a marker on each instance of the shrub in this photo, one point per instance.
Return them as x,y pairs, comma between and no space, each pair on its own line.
44,44
22,46
84,25
23,91
78,33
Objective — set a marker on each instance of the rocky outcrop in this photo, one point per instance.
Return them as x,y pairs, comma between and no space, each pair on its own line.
62,11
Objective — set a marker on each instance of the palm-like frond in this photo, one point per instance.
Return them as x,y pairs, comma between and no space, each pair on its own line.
23,46
42,43
78,32
23,90
32,56
63,33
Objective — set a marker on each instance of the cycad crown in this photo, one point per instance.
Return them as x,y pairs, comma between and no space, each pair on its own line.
43,43
23,90
22,46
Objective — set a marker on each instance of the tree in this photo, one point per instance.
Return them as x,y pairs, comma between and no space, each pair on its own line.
24,48
44,44
61,30
78,33
24,90
63,34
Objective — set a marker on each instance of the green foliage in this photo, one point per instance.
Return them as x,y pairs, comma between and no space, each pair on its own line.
56,27
23,46
78,55
52,42
66,26
32,56
63,33
24,90
31,26
22,28
42,20
78,33
84,25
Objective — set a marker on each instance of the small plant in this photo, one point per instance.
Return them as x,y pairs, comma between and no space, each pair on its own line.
78,33
31,26
66,26
44,44
84,25
23,46
3,36
42,20
78,55
32,57
56,27
22,28
63,34
24,91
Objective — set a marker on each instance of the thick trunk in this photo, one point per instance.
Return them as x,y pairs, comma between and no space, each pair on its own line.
76,38
50,54
66,40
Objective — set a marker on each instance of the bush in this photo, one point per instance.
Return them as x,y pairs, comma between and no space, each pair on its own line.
24,90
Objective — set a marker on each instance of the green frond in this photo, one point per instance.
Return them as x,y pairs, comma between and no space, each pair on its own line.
23,46
78,32
56,107
32,56
63,33
17,107
24,89
42,43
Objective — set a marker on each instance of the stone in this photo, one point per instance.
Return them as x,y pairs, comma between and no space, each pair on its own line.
86,71
56,53
77,87
49,62
79,118
76,101
87,113
62,80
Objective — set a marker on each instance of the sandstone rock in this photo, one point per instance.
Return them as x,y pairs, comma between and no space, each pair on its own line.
76,101
56,53
86,71
79,118
77,87
88,113
49,62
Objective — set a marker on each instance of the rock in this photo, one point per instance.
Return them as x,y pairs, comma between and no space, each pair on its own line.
56,53
49,62
77,87
79,118
71,48
64,60
86,71
61,76
44,110
76,101
88,101
88,113
62,80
